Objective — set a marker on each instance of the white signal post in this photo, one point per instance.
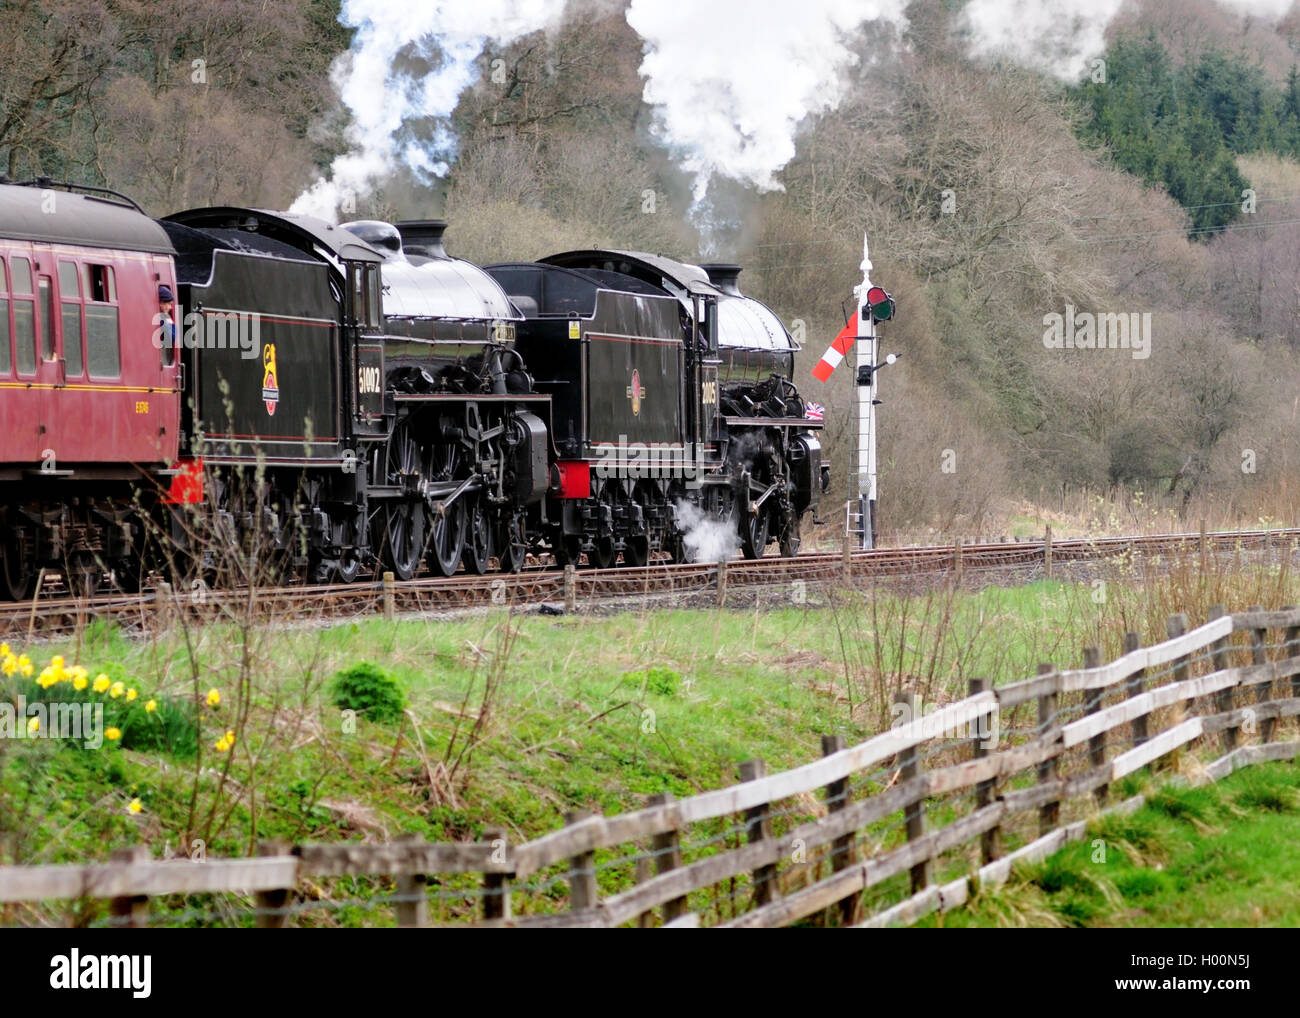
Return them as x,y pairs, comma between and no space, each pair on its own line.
867,348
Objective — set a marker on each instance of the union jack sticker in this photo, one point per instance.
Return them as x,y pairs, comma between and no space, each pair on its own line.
814,412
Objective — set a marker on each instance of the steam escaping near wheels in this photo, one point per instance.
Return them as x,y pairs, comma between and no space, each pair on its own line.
705,538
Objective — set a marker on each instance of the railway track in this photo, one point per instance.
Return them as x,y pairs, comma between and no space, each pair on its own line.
48,616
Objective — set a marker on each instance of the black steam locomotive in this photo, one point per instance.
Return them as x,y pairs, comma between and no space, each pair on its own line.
352,394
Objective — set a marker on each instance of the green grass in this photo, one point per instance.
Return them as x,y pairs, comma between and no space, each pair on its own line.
513,720
1221,855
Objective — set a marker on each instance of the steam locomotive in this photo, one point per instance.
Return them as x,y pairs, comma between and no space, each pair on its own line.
346,397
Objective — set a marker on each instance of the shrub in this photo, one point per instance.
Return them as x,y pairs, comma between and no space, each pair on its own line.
370,691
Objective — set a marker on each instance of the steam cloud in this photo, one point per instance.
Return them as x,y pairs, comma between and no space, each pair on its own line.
706,538
410,62
731,80
1061,37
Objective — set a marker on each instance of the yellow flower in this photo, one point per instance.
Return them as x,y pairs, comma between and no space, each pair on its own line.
221,745
34,725
80,682
102,682
131,694
4,650
25,666
112,734
10,664
214,698
116,689
136,806
150,706
78,673
46,679
56,661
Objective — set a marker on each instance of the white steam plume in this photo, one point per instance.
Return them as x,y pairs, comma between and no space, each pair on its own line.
410,62
731,80
1061,37
706,538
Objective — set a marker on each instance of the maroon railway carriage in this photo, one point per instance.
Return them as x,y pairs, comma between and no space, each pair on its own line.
89,404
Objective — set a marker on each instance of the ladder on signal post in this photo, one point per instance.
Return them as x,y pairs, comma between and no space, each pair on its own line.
857,522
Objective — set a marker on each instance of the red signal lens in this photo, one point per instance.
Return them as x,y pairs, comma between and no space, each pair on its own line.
876,295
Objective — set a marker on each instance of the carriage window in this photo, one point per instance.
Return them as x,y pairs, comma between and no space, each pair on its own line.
6,357
68,288
102,357
47,318
69,292
25,336
100,285
22,272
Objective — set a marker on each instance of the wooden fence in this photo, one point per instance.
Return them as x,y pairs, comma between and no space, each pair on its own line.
874,834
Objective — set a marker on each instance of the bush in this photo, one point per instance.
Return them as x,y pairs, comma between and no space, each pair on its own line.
370,691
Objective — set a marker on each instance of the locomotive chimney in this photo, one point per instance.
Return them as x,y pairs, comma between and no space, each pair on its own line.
724,276
423,237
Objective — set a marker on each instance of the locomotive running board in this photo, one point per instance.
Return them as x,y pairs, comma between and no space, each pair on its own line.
769,422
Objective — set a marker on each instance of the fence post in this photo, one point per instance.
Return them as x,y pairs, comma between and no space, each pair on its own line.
570,589
758,827
956,563
990,840
390,597
1049,814
271,912
1223,698
1047,552
583,892
667,846
1174,628
1293,650
914,815
131,910
847,556
1259,656
496,886
837,798
722,583
1133,686
413,898
1097,743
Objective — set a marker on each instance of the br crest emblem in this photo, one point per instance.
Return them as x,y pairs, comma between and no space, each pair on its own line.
636,393
270,379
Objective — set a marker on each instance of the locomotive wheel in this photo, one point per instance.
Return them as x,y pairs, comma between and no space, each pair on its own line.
511,546
636,549
16,576
478,536
446,538
753,534
403,519
791,539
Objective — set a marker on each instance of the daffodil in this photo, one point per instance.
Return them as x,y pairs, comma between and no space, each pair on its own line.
112,734
9,665
214,698
131,694
102,682
25,666
116,689
150,706
47,678
80,682
136,806
4,650
56,661
34,725
221,745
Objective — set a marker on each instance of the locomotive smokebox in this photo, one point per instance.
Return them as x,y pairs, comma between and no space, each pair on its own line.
724,276
423,237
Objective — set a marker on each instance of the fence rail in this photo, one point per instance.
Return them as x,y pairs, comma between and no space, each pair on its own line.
1023,766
